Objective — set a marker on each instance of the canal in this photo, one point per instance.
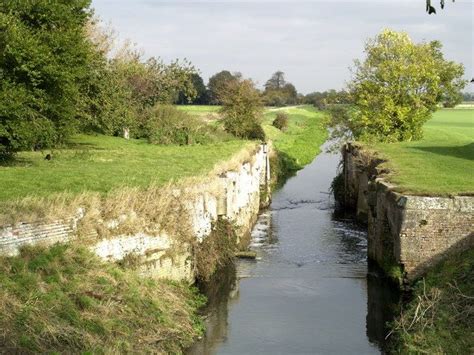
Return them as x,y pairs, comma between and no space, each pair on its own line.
310,290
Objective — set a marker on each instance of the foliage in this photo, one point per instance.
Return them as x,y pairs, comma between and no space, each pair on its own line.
439,164
168,125
242,110
217,85
281,121
398,87
439,318
202,96
64,299
44,70
217,250
326,99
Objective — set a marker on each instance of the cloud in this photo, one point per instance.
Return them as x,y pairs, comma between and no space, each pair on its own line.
313,42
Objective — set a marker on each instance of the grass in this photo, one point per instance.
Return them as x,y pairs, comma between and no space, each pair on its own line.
102,164
65,300
442,163
440,317
199,109
302,140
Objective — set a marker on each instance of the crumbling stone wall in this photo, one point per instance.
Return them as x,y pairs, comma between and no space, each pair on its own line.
233,195
413,232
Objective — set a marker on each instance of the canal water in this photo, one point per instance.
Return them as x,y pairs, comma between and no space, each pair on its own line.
310,290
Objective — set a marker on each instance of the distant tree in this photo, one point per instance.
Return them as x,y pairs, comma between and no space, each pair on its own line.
217,85
242,110
398,87
278,92
201,97
276,82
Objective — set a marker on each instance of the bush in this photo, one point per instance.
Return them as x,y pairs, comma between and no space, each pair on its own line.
167,125
242,110
281,121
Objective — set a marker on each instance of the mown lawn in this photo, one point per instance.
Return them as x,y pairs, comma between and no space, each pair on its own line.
102,163
442,163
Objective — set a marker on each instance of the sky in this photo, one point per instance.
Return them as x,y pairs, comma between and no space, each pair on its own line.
314,42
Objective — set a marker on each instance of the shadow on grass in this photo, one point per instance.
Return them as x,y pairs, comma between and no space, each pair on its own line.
462,152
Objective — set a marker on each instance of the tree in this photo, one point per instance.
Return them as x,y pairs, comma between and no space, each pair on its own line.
201,92
218,83
242,110
44,71
278,92
398,87
276,82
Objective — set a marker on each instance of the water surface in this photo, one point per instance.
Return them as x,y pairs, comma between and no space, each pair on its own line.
308,292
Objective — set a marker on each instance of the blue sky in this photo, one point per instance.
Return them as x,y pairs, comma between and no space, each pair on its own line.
313,42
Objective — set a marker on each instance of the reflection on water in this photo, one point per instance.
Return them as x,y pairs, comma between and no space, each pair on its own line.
308,292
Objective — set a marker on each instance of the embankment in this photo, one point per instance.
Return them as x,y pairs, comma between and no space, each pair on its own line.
407,234
161,226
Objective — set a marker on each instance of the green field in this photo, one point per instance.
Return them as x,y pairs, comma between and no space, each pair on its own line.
442,163
301,142
102,163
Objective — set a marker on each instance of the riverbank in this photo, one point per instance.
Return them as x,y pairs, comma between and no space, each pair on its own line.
114,197
439,319
417,198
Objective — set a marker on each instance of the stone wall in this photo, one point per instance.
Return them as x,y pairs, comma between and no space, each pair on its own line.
413,232
233,195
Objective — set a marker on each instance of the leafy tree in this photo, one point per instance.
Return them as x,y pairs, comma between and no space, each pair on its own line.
398,87
44,71
242,110
218,84
200,89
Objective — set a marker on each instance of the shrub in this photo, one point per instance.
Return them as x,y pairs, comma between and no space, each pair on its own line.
281,121
167,125
242,110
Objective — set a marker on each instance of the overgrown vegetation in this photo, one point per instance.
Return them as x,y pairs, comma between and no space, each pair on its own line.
440,317
64,299
168,125
216,250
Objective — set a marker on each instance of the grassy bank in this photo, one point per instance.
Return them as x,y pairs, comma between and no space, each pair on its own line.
64,299
102,164
442,163
440,317
301,142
